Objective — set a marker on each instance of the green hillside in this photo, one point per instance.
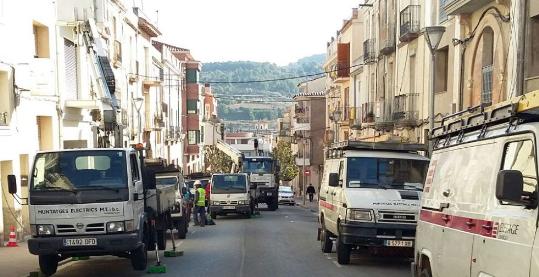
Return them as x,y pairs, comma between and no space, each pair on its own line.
230,106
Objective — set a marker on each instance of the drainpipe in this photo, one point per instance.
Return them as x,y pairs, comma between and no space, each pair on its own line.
521,51
59,111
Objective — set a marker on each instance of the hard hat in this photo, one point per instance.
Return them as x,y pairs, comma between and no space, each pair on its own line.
198,183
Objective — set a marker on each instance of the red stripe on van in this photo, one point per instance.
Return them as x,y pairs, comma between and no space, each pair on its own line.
327,205
484,228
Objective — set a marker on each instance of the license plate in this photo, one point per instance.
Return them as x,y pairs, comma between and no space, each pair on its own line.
399,243
80,242
229,207
269,194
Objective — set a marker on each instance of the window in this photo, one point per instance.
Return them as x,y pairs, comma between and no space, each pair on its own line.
193,137
134,167
202,134
192,106
520,155
244,141
441,67
71,70
412,74
192,76
41,40
5,98
442,15
487,66
532,52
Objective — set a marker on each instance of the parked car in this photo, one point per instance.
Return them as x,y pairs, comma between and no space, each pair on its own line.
286,195
479,204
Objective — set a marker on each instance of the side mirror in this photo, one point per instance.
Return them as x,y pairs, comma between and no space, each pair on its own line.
510,188
12,184
333,180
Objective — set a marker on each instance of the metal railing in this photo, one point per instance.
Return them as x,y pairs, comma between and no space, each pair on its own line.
384,112
486,90
410,24
367,112
405,108
369,54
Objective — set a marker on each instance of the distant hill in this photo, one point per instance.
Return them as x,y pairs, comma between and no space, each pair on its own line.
267,91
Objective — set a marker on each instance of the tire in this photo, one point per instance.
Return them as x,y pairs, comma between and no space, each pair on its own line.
343,252
161,239
139,258
213,215
48,264
181,227
273,204
325,242
425,272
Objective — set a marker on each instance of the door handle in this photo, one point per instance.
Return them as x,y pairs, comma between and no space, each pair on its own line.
446,193
446,218
327,191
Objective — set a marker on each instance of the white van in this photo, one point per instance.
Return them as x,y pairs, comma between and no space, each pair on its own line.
230,193
369,197
479,212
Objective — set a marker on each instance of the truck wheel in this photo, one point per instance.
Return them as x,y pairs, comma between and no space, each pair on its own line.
425,271
273,204
343,251
325,242
213,215
139,258
48,264
181,227
162,239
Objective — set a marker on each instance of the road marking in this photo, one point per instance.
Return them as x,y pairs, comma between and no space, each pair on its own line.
291,221
242,264
337,264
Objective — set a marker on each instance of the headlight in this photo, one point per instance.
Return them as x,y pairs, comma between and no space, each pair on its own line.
243,202
44,230
215,203
115,227
359,215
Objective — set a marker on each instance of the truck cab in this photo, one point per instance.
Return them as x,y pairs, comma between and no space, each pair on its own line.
92,202
369,197
263,179
230,193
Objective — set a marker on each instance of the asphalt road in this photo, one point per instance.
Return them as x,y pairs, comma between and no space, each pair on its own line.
281,243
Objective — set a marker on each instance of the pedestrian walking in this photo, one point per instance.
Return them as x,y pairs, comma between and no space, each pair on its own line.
311,192
200,205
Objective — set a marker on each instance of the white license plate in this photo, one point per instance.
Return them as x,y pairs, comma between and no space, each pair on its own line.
229,207
269,194
399,243
80,242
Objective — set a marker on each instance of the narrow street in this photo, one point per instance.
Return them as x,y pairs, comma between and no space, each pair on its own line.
281,243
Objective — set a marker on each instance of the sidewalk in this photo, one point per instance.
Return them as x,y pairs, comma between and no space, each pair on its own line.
17,261
313,206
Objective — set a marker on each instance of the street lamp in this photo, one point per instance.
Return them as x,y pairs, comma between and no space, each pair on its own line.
433,36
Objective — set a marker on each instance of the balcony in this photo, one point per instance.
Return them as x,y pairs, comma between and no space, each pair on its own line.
454,7
387,43
354,118
486,88
384,117
369,54
342,70
410,25
158,121
405,110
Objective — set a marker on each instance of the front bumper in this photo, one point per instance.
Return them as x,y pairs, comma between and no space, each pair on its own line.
237,209
375,234
106,245
287,201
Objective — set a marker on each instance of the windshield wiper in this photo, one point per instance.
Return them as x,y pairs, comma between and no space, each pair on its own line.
100,187
55,189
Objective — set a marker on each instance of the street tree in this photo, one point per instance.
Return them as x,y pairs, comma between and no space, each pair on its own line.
283,153
216,161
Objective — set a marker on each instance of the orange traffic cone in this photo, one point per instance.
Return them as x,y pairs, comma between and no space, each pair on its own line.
12,237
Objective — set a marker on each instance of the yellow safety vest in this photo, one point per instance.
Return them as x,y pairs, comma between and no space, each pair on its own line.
201,201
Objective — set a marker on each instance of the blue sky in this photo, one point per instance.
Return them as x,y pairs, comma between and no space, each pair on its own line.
278,31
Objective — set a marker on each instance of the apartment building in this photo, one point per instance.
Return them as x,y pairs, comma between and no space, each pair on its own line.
308,131
192,114
29,100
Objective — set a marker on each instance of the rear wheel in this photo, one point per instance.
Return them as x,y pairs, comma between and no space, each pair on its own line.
161,239
181,227
325,241
213,215
48,264
425,271
139,258
273,204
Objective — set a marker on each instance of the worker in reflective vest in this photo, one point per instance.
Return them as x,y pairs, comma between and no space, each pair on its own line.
200,205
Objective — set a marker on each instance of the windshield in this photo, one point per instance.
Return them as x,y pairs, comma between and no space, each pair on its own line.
257,166
378,172
81,170
164,181
285,189
229,184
